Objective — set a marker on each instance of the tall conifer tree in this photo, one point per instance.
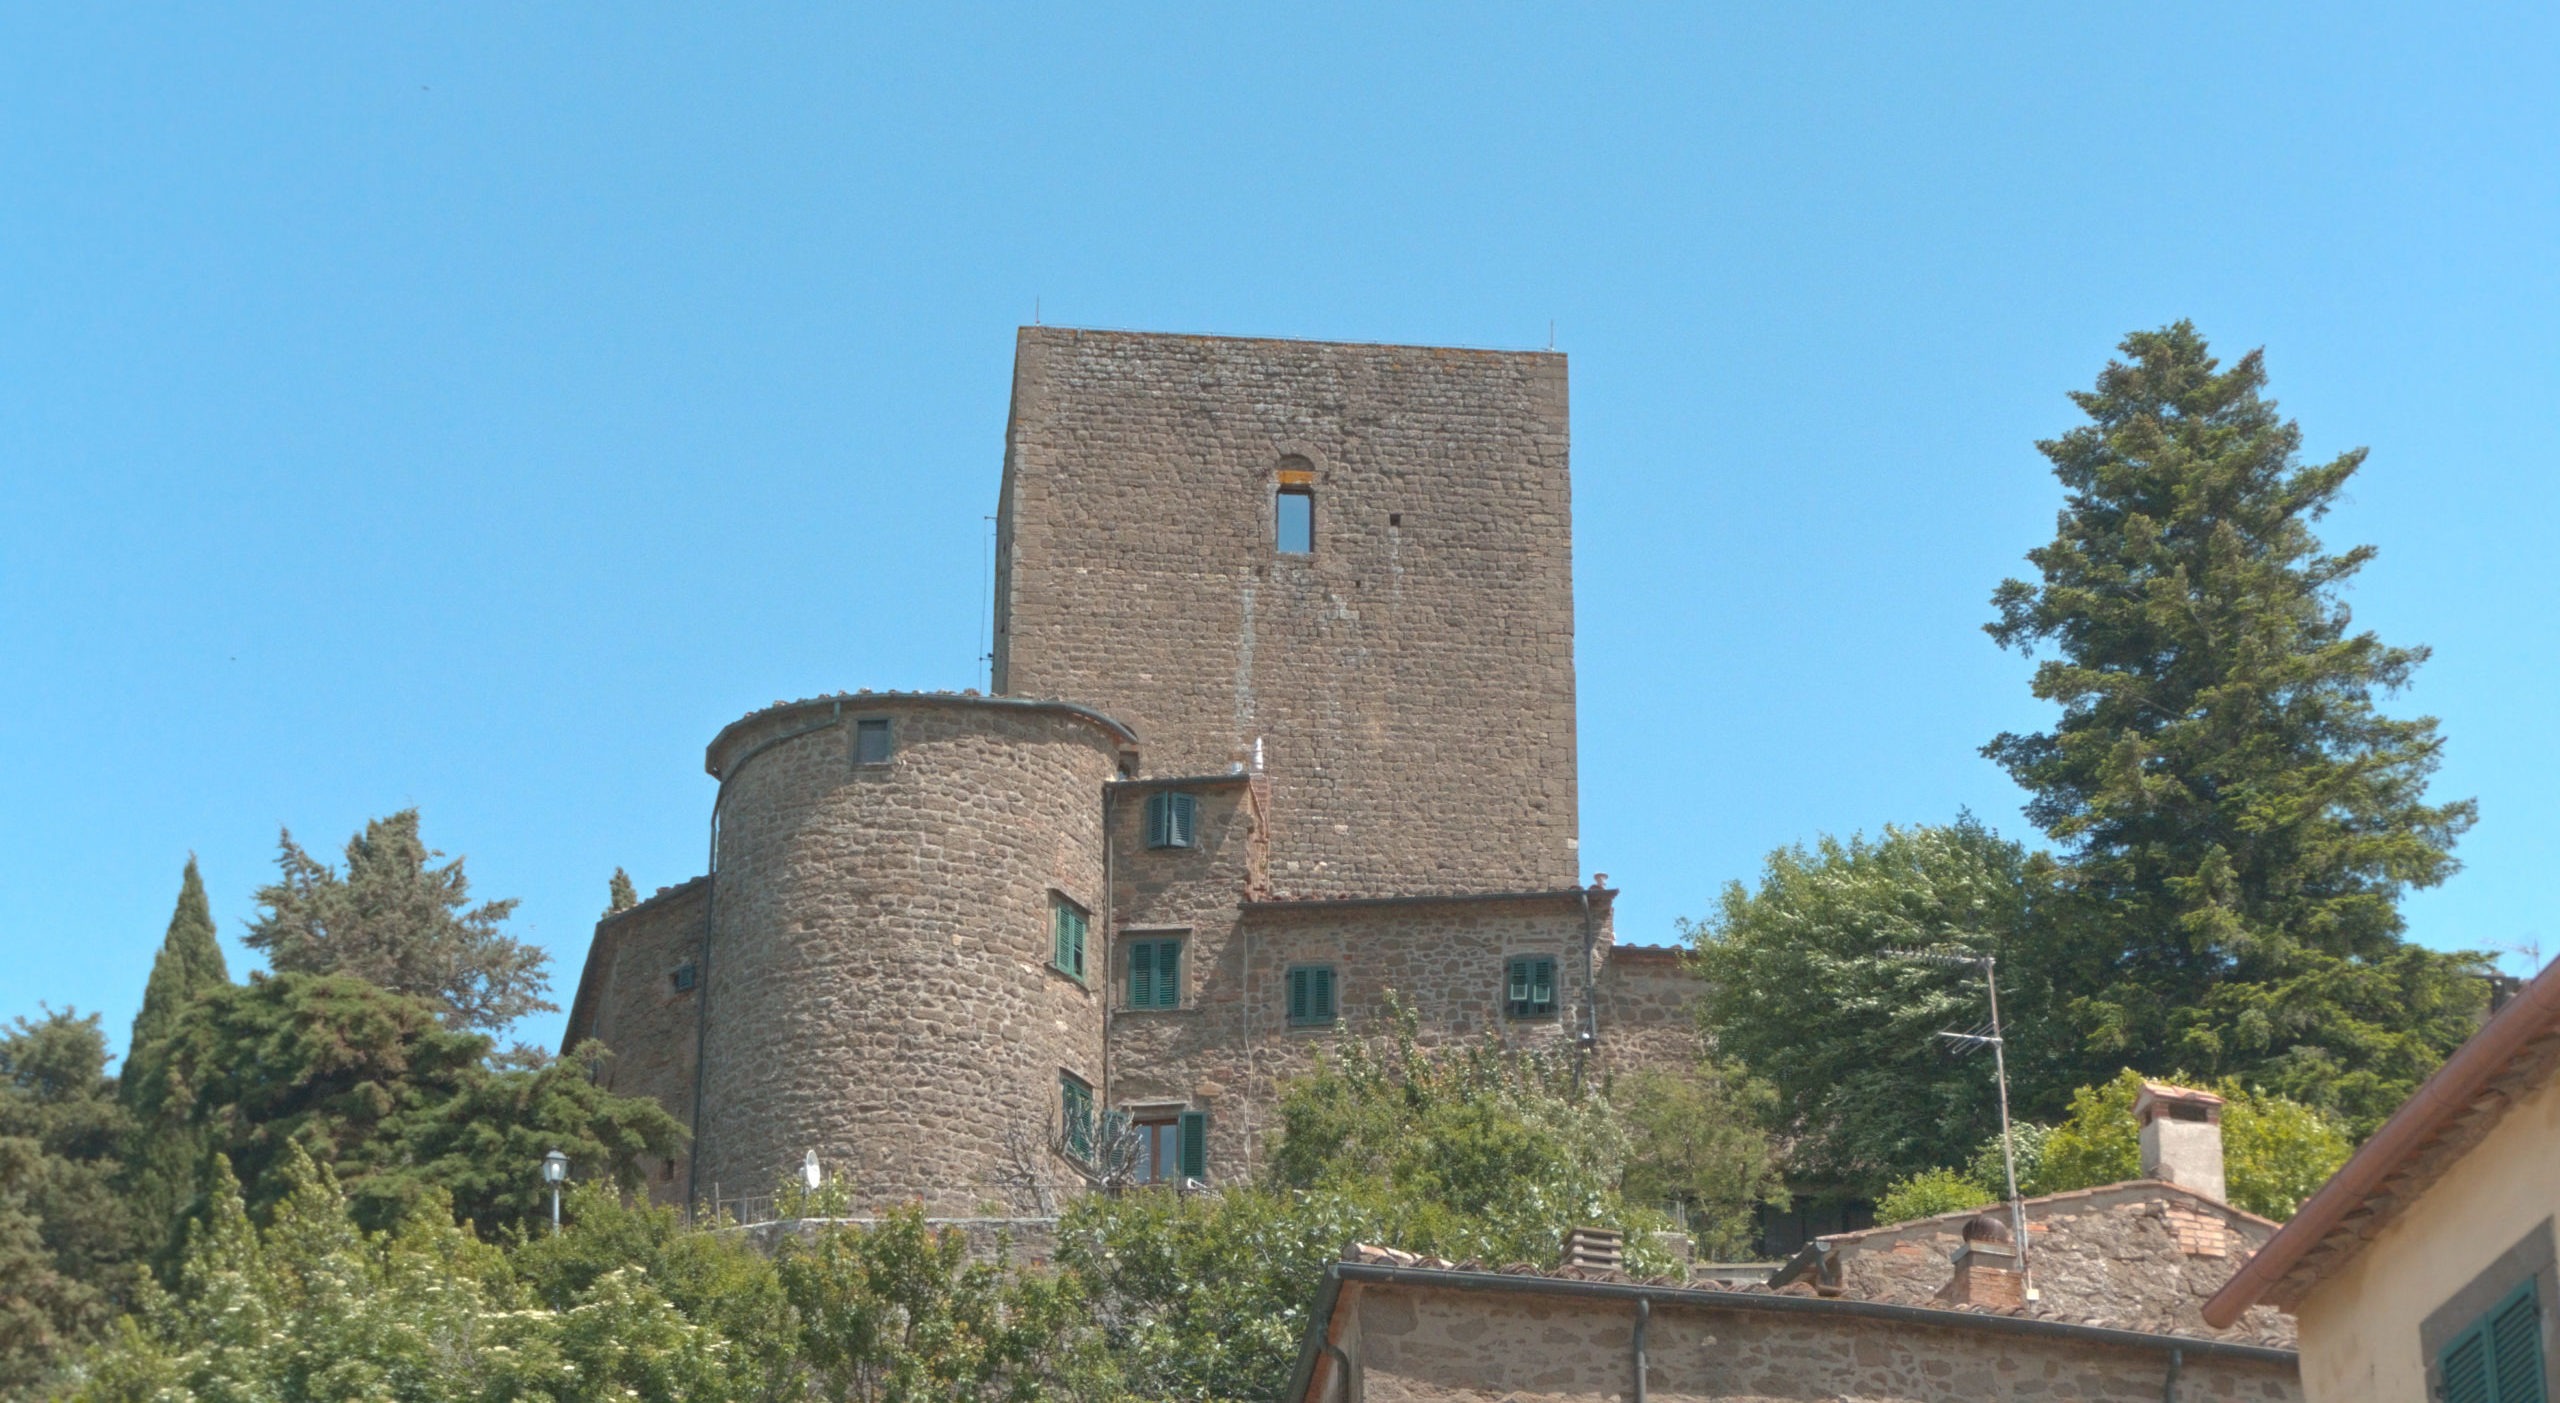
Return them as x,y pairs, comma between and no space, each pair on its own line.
190,962
2240,818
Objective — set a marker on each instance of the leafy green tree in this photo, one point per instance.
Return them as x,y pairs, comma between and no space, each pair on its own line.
69,1242
399,921
313,1306
1932,1192
620,895
2239,817
1698,1141
898,1313
1469,1153
2275,1152
1802,991
399,1106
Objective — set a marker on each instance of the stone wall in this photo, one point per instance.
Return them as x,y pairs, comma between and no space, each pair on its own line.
1410,682
879,977
632,1000
1413,1344
1648,1009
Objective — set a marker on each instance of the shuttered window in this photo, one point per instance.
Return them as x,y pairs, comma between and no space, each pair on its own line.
1311,994
1531,991
2498,1358
871,741
1066,936
1173,820
1155,974
1075,1115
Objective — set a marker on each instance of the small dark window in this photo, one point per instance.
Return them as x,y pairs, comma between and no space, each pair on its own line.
682,978
1532,987
1075,1114
1297,520
1395,518
1173,820
1066,936
871,741
1311,995
1155,973
2186,1110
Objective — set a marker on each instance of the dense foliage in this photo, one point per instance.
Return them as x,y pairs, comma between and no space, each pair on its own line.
2238,817
397,921
399,1106
2275,1152
1804,990
69,1240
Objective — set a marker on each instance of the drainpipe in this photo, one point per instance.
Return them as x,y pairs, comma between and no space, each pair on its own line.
1110,945
1590,989
2169,1387
1644,1317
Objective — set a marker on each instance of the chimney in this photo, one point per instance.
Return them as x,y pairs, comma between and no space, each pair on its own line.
1987,1271
2181,1137
1598,1249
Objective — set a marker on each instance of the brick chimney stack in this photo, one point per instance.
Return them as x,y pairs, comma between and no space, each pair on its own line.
2181,1137
1987,1272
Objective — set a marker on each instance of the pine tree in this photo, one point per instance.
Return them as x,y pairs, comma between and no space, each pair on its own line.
190,962
399,922
620,895
2240,818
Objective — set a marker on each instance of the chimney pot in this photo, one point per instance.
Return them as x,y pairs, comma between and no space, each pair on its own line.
2181,1137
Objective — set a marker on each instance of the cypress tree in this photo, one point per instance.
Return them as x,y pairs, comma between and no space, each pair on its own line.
2240,819
190,962
620,895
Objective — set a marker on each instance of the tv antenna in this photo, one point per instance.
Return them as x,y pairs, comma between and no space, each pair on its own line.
1974,1040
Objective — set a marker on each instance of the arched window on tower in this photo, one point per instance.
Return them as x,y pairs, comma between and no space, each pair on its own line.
1294,507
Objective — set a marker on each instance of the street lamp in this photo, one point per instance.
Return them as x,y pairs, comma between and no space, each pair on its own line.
1965,959
555,1167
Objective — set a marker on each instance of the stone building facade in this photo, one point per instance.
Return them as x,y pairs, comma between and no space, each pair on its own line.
1282,733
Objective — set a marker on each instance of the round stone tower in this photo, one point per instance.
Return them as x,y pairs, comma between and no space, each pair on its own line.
882,981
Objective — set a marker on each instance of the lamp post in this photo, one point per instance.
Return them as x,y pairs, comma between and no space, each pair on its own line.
555,1167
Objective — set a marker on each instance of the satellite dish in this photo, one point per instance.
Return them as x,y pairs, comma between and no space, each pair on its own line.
809,1174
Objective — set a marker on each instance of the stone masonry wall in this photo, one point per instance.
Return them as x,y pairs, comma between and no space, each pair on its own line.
1411,681
1420,1345
1648,1009
628,1000
879,979
2118,1256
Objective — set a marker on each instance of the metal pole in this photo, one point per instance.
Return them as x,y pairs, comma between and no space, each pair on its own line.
555,1210
2008,1147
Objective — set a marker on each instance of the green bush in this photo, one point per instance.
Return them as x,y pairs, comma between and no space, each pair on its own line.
1932,1192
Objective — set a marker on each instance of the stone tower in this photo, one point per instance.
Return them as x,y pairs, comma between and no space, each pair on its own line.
1406,681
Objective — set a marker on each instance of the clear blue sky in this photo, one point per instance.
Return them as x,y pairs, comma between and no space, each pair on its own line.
475,407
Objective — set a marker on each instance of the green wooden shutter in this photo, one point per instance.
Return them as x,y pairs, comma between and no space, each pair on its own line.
1542,992
1168,974
1322,1003
1058,933
2515,1347
1156,811
1519,985
1299,983
1182,820
1195,1145
1142,974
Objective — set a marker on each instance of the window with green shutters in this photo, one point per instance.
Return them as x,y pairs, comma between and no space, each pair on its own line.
1066,936
1311,995
1173,819
1155,973
1075,1115
2497,1358
1195,1145
1532,987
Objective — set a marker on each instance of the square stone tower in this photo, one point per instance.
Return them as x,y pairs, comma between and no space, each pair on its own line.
1350,565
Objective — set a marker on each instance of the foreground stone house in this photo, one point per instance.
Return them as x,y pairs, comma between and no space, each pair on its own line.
1383,1332
2426,1267
2144,1255
1282,725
